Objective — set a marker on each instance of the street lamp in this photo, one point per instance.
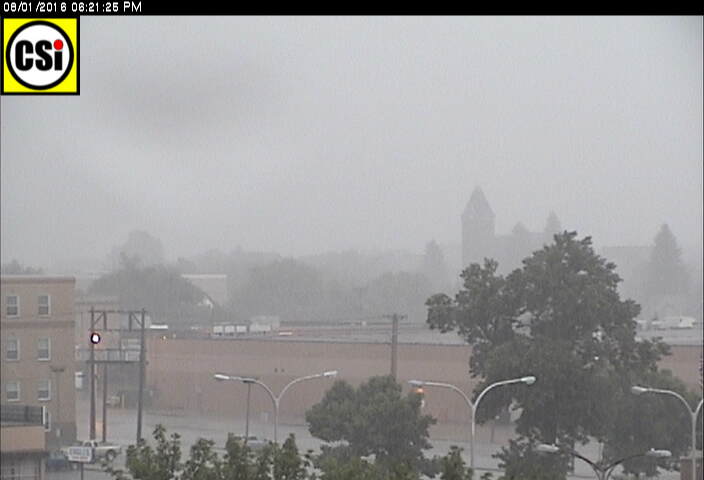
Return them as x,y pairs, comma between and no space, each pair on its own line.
276,400
638,390
529,380
603,470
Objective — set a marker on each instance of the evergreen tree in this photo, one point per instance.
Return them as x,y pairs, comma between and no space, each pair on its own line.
666,273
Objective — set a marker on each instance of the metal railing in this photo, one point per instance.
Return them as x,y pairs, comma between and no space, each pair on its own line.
24,414
109,355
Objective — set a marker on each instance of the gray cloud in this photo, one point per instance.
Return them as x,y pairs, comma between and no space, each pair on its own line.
307,134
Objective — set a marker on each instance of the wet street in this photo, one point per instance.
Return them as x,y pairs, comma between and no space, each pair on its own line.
122,429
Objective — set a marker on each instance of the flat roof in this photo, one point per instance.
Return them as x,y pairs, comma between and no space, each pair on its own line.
421,334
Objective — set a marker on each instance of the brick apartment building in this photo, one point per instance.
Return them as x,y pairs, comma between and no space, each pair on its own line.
38,353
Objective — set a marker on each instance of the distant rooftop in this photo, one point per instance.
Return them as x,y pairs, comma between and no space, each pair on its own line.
478,205
410,333
36,278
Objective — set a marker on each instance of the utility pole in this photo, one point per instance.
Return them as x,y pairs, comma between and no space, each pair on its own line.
395,317
105,386
246,427
142,360
105,402
118,356
92,377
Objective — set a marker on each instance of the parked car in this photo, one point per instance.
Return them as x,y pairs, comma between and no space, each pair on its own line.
674,322
684,322
253,442
57,461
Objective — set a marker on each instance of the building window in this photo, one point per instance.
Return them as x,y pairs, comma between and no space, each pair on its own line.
12,306
12,351
12,391
44,350
44,305
44,390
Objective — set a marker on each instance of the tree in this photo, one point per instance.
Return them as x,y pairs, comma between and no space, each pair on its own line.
668,424
16,268
520,461
288,464
160,290
666,273
204,463
374,419
452,466
351,468
145,462
145,249
560,318
237,464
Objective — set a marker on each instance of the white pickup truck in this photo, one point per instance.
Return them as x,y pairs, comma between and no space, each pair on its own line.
101,450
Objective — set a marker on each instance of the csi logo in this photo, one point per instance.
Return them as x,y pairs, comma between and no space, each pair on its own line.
39,55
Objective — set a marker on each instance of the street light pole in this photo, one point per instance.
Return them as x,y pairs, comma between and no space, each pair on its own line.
638,390
275,400
529,380
246,426
602,471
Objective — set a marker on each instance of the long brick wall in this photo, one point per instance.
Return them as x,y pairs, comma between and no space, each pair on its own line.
181,372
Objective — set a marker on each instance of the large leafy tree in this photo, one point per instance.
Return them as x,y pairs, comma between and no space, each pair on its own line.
560,318
374,419
159,289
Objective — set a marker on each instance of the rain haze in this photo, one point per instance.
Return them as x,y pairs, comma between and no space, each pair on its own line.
306,135
387,219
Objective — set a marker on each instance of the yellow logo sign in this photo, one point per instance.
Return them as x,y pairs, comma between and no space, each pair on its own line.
40,56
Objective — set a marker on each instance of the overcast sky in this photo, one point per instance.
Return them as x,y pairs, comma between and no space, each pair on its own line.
303,135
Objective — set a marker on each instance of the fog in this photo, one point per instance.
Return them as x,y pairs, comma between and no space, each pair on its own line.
305,135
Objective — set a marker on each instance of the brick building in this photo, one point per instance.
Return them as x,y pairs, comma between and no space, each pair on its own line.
38,359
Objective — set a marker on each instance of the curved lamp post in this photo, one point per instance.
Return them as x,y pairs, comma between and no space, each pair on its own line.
529,380
638,390
276,400
603,470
